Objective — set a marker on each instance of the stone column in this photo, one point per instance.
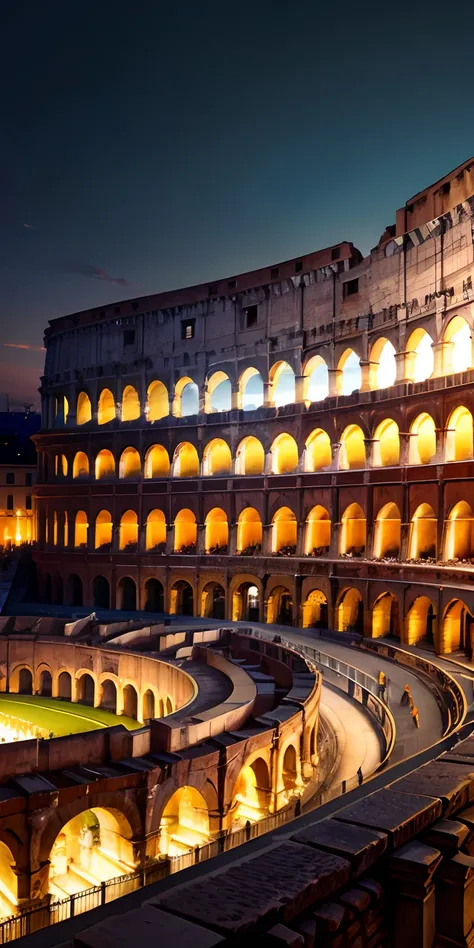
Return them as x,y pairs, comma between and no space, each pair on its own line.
334,381
405,363
443,358
299,388
234,399
201,539
455,901
169,538
267,394
267,539
413,895
441,434
368,372
142,537
369,444
335,451
404,438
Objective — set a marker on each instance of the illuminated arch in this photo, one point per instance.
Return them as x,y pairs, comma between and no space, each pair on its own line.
83,409
383,368
97,844
130,404
130,464
459,435
157,462
218,394
387,532
315,610
316,384
249,531
128,530
81,528
216,458
158,403
458,333
284,452
213,601
386,449
318,452
66,529
422,440
352,451
103,529
185,460
104,464
185,531
251,392
457,628
284,531
246,601
421,368
186,398
459,533
80,465
280,606
353,531
185,822
349,377
61,410
385,616
181,599
60,465
155,531
282,384
350,612
420,622
9,878
251,795
423,534
106,408
318,532
216,531
250,456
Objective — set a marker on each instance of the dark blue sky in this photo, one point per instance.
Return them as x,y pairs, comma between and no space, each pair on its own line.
169,143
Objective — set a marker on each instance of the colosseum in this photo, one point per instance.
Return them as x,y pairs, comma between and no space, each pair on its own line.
292,445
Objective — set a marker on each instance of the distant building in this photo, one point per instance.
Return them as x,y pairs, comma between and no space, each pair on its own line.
17,476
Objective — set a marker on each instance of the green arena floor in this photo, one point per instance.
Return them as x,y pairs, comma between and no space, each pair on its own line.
60,717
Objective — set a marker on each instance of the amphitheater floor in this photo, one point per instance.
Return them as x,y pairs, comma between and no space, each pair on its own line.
60,717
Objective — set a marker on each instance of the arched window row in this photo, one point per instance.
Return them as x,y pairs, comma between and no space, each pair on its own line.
421,358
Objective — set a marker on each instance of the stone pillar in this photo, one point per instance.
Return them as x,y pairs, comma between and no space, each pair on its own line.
235,399
267,531
334,545
369,444
443,359
169,538
201,539
404,438
441,435
297,601
368,373
335,451
115,538
299,388
334,381
413,895
455,901
232,539
267,395
142,538
405,363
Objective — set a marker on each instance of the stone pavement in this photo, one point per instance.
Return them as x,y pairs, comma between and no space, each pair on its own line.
358,744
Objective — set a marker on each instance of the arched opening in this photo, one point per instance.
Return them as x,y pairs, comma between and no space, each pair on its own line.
349,376
75,597
315,610
25,682
154,595
246,603
422,440
216,537
130,464
249,532
218,395
350,612
106,407
458,333
130,404
61,465
250,457
8,885
81,528
104,465
185,822
289,770
148,706
103,531
459,439
280,606
186,398
46,684
386,449
130,702
128,531
421,622
216,458
420,364
55,529
83,409
158,403
284,452
423,531
457,631
108,699
92,847
127,594
185,461
282,384
61,410
181,599
385,616
65,686
318,452
85,690
387,532
383,368
80,465
101,592
157,462
352,451
459,533
353,531
155,532
66,530
185,532
317,532
250,390
284,532
316,385
213,601
252,793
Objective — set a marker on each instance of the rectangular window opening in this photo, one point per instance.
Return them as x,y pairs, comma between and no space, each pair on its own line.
351,287
10,477
187,328
129,337
251,316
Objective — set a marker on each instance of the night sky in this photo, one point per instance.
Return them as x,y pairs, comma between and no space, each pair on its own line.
161,144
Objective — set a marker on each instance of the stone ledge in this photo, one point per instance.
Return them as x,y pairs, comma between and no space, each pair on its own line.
361,846
147,927
452,783
399,814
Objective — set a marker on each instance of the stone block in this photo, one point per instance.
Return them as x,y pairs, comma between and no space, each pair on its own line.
446,835
373,887
281,935
330,917
307,929
356,899
401,815
452,783
361,846
463,749
147,927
